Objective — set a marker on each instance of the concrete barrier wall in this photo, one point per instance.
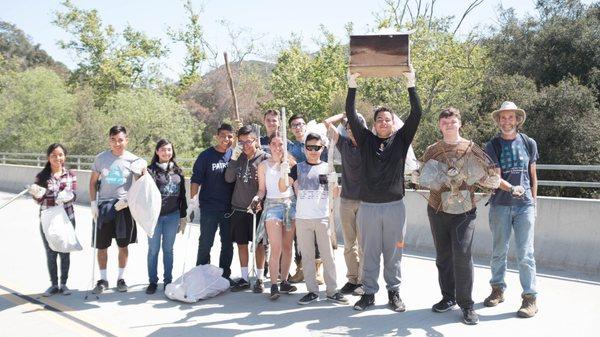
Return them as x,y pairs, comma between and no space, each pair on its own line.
567,230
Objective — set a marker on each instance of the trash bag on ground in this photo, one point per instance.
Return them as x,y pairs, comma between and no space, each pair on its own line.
200,282
59,231
144,203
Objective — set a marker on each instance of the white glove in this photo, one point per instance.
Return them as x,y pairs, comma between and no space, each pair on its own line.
94,208
517,191
410,77
182,224
284,168
64,196
121,204
36,190
352,79
254,204
193,205
415,176
237,152
491,182
139,166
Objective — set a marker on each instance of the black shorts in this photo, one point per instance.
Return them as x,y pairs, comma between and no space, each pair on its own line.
241,226
108,231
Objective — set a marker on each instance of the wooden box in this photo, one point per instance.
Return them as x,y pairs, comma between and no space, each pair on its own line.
380,55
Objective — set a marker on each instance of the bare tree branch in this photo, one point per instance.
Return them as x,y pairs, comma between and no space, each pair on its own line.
470,8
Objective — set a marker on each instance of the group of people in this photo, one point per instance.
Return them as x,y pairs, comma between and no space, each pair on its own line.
276,193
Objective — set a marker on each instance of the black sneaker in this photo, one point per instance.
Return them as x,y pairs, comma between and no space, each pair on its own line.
258,287
308,298
274,292
240,285
470,317
121,285
338,298
395,301
348,288
101,285
151,288
443,305
365,301
285,288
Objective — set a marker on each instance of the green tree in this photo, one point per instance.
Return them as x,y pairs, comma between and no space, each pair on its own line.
36,109
108,60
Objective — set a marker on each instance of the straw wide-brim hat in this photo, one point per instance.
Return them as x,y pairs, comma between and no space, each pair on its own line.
509,106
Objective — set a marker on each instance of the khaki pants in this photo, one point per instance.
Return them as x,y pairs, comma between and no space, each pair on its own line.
352,250
306,230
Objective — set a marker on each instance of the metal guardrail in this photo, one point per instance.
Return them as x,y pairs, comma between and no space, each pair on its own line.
84,162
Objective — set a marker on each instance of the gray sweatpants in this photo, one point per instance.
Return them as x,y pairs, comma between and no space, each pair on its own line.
382,228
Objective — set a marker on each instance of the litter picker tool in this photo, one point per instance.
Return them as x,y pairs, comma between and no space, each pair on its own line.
15,197
230,77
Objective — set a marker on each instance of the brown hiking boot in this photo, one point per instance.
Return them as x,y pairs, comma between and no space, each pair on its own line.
298,275
319,276
528,307
495,298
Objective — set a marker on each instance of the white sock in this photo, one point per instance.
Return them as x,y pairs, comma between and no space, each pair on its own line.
259,273
121,271
103,274
245,273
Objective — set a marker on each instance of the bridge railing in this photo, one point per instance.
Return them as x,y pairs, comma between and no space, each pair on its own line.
84,162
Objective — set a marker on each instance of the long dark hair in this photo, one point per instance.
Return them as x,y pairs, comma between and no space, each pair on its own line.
156,160
43,176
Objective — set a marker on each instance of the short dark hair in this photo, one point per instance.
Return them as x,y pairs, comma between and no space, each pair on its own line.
246,130
379,110
225,127
115,130
295,116
450,112
313,136
271,112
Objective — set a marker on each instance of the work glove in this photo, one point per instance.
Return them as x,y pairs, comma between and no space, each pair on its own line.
415,177
36,190
94,208
138,167
352,79
284,168
121,204
237,151
64,196
193,207
237,123
517,191
410,77
255,206
182,224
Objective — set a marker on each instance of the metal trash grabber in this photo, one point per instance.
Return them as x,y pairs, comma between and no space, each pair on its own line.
252,255
93,261
15,197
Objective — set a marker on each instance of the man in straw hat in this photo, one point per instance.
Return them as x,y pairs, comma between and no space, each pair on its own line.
513,206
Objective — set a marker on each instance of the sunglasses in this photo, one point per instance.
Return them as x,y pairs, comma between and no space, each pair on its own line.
314,147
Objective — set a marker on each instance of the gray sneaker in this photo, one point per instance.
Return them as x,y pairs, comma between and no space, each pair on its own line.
51,291
101,285
338,298
64,290
121,285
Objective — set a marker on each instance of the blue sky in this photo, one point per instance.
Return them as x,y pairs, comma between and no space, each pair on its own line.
273,20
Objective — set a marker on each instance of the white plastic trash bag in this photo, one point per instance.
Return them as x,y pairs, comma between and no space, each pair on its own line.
59,230
200,282
144,203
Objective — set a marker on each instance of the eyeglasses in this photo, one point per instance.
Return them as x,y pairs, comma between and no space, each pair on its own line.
246,142
298,125
314,147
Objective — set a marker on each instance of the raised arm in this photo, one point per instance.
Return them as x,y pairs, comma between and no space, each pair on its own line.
331,129
359,131
409,129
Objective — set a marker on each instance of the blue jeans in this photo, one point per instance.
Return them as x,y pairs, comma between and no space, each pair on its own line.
166,228
209,222
520,219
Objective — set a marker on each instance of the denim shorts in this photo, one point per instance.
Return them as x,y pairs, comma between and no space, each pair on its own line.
276,211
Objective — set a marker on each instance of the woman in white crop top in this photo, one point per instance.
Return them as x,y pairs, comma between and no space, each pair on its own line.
278,212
